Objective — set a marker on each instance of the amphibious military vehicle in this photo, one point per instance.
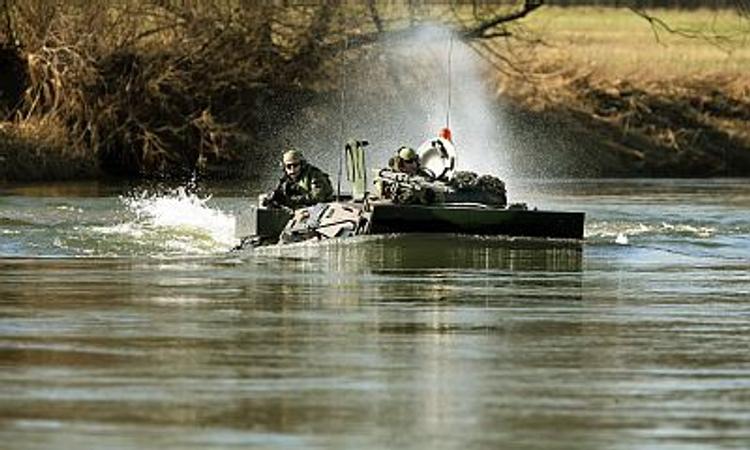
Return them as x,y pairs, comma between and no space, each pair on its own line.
445,201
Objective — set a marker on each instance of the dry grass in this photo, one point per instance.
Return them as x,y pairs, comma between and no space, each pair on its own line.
668,103
159,89
618,44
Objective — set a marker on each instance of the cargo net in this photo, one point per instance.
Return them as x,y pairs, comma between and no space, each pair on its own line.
464,187
470,187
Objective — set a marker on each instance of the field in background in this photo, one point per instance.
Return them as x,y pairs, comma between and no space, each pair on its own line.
618,43
630,98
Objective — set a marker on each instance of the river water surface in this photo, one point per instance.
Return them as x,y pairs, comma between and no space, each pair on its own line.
126,322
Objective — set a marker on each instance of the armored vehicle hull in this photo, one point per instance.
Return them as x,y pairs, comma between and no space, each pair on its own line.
475,220
340,219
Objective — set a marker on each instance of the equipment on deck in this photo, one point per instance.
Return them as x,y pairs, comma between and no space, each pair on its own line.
451,202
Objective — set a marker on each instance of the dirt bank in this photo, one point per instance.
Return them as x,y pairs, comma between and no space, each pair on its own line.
676,128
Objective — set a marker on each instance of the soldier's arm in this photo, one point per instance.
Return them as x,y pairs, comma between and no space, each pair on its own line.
320,188
296,196
279,196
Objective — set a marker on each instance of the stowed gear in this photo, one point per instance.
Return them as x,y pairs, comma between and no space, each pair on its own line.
463,187
408,190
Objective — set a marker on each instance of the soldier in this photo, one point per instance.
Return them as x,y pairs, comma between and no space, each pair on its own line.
405,181
302,184
407,161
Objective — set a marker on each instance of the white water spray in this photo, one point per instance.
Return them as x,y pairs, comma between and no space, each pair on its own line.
173,223
621,232
447,85
402,94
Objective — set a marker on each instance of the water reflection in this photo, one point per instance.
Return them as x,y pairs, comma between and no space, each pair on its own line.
331,347
360,339
428,269
435,251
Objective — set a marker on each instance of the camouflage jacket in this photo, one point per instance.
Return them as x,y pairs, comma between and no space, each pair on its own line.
313,186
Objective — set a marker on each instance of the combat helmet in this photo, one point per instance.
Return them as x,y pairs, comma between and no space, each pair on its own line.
407,154
292,156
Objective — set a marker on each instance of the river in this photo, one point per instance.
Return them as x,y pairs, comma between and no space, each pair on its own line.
126,322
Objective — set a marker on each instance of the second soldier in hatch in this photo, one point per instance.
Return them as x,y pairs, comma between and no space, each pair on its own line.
407,161
301,185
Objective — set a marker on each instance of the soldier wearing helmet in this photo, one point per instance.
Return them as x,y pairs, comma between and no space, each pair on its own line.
407,161
405,181
301,185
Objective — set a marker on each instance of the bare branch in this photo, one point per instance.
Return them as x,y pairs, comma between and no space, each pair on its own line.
482,31
375,16
720,40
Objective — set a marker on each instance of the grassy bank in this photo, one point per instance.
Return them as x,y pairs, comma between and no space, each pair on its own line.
641,100
617,43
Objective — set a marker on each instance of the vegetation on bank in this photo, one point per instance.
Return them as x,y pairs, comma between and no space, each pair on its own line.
670,98
161,88
158,88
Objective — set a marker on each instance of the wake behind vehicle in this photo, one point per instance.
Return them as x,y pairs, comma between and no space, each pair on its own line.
442,201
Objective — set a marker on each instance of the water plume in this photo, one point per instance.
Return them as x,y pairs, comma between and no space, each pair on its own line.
176,222
403,92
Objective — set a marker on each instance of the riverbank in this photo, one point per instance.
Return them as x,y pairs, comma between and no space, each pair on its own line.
37,152
629,98
585,92
618,128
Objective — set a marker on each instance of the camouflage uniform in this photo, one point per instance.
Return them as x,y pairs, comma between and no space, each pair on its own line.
313,186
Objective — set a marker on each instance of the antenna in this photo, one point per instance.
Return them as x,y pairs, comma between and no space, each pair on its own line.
448,108
342,116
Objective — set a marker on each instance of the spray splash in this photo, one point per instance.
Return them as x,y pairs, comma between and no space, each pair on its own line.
174,223
621,231
403,92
